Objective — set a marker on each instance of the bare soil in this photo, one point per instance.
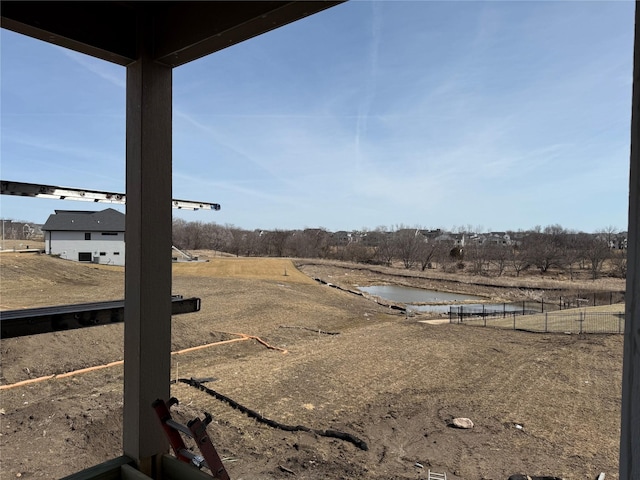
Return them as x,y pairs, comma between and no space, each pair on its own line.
541,404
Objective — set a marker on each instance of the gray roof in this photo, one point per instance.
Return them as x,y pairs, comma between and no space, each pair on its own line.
108,220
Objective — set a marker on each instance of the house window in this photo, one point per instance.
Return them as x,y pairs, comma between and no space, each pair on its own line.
109,233
84,256
116,253
102,254
87,236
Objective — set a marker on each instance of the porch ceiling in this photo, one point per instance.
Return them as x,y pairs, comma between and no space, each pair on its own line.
184,30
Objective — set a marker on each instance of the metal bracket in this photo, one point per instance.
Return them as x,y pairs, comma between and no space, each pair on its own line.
196,429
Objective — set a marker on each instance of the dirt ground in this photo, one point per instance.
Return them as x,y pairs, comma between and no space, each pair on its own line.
541,404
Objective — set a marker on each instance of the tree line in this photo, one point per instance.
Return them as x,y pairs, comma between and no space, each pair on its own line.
18,230
552,248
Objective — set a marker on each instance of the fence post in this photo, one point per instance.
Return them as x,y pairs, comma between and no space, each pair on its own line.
560,302
504,310
594,299
620,324
581,320
450,316
546,321
523,303
514,320
542,300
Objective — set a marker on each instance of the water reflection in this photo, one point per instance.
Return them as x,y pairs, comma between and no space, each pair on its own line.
416,298
397,293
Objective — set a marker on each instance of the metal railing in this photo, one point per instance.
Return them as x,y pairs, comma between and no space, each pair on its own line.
585,299
564,302
577,321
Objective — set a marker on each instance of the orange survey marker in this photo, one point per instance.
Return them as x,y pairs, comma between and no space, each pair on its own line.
196,429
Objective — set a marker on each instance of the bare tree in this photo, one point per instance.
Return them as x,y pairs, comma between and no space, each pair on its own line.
188,235
317,240
476,255
235,245
428,251
619,262
384,246
298,245
359,253
215,237
442,255
498,255
609,234
545,249
276,240
179,237
257,243
575,246
518,259
406,242
17,229
597,252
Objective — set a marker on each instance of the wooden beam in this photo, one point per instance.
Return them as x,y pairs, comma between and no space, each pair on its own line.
187,31
630,421
147,333
184,30
103,30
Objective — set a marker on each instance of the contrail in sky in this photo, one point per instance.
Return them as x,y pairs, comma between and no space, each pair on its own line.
370,82
95,66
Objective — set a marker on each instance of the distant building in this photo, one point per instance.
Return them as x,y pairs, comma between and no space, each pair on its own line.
431,235
455,239
86,236
619,241
341,237
495,238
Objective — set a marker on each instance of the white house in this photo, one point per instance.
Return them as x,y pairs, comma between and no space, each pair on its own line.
86,236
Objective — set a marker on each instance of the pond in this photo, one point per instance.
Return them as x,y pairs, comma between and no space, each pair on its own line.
411,295
416,298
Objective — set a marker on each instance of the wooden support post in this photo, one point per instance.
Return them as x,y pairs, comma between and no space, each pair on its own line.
630,421
147,342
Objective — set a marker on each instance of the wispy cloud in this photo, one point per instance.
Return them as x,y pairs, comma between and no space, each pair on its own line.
113,74
378,113
371,78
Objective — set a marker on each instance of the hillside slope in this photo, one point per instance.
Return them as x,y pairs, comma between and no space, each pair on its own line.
541,404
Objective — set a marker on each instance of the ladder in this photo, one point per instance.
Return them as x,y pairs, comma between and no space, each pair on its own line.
196,429
437,476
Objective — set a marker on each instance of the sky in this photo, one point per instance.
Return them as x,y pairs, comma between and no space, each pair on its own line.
500,115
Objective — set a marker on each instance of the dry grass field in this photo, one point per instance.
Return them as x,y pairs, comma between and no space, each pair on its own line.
272,269
542,404
21,244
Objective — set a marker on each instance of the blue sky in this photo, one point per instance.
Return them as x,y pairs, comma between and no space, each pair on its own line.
498,115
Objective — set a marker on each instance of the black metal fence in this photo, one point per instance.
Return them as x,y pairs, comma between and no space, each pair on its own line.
530,307
586,299
576,321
